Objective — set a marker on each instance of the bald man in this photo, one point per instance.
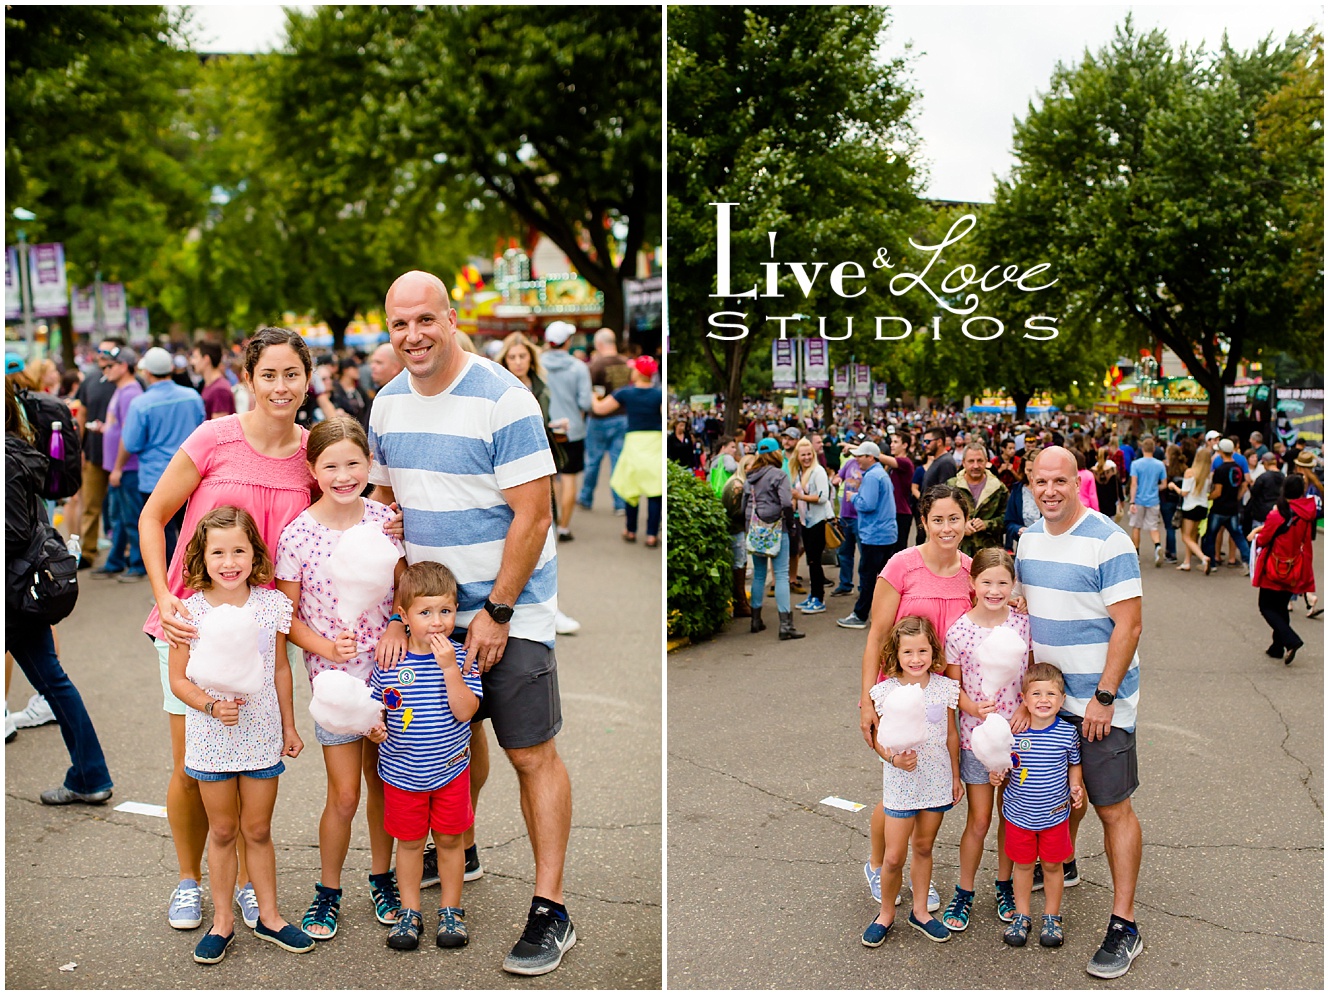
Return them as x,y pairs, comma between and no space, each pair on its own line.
459,443
383,366
1081,576
605,434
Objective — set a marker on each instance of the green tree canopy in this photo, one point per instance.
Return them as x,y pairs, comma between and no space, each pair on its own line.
1141,175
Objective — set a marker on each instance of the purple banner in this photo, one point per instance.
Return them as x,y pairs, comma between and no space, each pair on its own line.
46,270
862,381
83,310
114,315
841,385
138,326
816,364
13,296
879,397
783,374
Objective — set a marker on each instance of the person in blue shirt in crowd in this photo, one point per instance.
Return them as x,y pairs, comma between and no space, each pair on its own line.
877,530
1147,474
159,421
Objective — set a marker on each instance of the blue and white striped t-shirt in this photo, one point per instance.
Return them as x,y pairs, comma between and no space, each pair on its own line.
448,459
1069,581
1038,790
426,746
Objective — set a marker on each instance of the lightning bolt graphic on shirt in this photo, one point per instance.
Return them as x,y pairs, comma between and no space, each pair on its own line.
406,716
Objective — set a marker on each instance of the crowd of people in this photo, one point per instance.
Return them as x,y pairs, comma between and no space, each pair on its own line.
226,495
1035,530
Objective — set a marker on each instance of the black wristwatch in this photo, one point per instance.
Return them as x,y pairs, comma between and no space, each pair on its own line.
502,614
1105,698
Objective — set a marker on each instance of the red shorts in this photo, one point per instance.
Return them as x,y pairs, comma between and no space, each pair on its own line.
1052,845
410,815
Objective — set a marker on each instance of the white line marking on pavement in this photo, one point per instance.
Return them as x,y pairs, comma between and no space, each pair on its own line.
843,803
142,808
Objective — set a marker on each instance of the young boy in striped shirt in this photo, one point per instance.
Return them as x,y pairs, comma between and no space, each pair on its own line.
425,755
1045,781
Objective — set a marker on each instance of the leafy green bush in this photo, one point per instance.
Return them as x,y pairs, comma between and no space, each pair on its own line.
700,574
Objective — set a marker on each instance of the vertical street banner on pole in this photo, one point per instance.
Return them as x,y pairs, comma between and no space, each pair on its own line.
816,363
114,316
138,326
783,374
879,397
862,381
13,296
83,310
841,385
50,291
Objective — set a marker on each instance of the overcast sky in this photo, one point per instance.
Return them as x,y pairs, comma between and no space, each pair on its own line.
978,67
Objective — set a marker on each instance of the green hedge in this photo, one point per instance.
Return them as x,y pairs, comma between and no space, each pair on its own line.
700,571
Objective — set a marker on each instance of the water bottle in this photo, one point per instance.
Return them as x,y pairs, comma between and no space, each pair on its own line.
57,453
75,546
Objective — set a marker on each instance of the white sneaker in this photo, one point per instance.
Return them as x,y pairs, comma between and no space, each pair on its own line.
38,713
11,727
565,625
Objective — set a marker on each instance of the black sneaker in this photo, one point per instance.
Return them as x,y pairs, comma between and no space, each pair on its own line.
430,877
1120,947
542,946
1072,873
474,872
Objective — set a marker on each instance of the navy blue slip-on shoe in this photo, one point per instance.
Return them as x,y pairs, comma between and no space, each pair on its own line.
289,937
212,948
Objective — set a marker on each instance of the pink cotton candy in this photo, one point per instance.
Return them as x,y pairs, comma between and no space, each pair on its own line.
1000,657
227,658
992,742
343,704
904,721
361,569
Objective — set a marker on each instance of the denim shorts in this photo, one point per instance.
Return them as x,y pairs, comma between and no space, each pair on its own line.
326,738
909,813
972,770
276,770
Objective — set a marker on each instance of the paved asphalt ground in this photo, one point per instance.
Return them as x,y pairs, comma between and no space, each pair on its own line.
766,884
89,885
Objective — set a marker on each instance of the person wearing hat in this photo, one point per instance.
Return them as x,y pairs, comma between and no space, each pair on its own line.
638,472
568,381
877,530
121,466
156,425
1229,483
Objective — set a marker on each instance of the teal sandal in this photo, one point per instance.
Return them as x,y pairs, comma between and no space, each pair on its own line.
387,902
323,911
956,916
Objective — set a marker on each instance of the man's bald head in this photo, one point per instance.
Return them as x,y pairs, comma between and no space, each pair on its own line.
606,342
1049,458
415,282
384,364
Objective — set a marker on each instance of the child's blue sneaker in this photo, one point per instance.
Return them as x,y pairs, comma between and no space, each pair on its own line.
874,881
932,929
804,603
875,935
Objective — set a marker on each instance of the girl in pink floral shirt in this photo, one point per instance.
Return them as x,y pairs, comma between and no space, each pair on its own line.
992,576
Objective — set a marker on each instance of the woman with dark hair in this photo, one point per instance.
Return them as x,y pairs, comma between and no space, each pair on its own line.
346,393
682,446
1174,465
255,461
1285,565
1107,483
1021,508
30,640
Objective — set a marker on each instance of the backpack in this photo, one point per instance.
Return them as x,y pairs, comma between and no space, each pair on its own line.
64,476
41,583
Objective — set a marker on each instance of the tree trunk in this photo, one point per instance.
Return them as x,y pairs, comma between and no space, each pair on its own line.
613,316
827,408
67,345
1021,399
337,324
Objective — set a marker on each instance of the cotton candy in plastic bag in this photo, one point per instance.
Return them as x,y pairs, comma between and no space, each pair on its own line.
361,568
904,722
999,658
227,657
343,704
992,742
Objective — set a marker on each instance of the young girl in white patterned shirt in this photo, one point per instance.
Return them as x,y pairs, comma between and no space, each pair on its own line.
234,746
918,785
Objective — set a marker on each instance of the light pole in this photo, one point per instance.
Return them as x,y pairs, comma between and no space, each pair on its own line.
24,291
